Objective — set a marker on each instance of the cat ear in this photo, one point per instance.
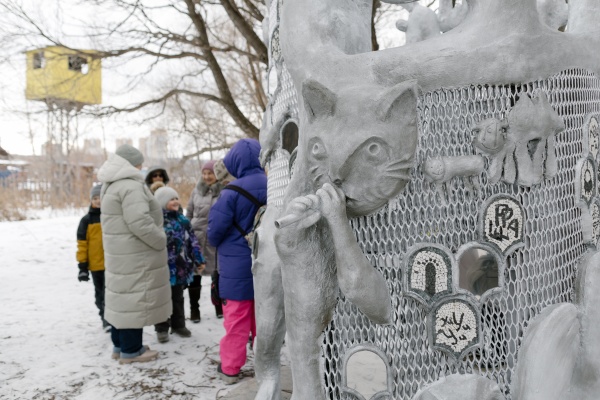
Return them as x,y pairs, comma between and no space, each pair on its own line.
401,95
318,100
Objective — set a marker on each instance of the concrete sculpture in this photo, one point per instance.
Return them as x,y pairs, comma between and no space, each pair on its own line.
441,170
366,120
554,13
422,23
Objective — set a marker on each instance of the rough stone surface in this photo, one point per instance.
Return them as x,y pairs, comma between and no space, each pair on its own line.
461,387
586,380
548,355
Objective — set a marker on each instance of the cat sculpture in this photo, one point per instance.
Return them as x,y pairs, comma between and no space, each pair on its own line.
357,147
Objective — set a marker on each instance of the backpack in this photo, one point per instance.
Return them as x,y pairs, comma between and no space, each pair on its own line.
249,236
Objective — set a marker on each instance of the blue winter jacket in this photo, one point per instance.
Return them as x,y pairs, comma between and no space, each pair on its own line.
233,252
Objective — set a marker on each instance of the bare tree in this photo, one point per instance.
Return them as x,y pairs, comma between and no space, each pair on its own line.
212,47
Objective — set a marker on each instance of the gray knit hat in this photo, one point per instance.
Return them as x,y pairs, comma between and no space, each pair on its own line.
164,195
95,191
131,154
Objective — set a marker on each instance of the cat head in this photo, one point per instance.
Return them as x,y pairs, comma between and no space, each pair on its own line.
361,138
490,135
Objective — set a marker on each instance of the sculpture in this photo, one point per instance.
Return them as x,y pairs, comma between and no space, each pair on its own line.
490,138
352,176
422,22
522,149
554,13
360,108
440,170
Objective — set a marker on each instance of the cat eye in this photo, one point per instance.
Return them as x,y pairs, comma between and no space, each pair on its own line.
318,150
374,148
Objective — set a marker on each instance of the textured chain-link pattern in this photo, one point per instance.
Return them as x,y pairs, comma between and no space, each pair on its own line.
537,275
279,177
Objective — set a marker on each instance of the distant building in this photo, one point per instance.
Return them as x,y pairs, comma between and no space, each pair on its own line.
155,147
93,147
121,141
53,150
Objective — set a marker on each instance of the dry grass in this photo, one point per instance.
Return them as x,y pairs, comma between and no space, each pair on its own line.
13,207
16,202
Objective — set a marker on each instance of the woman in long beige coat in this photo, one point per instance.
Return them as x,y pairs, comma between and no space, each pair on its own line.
138,292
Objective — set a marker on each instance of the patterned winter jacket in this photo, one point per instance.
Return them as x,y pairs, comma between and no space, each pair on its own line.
182,247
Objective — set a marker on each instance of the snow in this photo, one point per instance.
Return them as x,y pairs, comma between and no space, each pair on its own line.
52,345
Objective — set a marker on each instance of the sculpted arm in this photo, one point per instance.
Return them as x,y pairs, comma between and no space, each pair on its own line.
362,284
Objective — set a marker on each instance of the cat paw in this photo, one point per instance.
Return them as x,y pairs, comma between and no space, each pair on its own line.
333,203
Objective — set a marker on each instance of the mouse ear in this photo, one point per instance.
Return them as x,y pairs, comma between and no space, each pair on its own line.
401,95
318,100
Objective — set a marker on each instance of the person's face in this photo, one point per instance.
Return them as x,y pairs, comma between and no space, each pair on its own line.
96,202
173,204
157,176
208,177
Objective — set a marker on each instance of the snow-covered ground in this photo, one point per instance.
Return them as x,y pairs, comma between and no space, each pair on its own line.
52,345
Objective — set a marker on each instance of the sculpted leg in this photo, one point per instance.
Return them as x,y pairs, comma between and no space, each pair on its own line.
310,287
270,316
309,305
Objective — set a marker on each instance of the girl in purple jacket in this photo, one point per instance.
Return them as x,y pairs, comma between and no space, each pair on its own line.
230,218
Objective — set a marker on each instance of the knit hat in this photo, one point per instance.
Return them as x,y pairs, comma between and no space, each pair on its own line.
95,191
131,154
221,172
209,165
164,195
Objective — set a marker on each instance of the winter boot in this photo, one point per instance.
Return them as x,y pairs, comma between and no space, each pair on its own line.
228,379
163,337
117,355
219,311
195,303
146,356
183,331
195,315
105,325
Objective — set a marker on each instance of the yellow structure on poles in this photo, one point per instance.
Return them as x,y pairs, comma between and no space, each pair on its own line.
67,77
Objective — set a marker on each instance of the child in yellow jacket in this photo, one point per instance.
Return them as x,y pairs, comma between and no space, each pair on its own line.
90,253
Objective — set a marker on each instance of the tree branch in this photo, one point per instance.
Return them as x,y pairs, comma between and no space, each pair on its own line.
246,29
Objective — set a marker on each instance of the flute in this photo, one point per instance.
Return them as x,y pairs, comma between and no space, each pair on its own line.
292,219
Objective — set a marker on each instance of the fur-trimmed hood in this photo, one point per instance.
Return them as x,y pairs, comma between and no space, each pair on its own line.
154,169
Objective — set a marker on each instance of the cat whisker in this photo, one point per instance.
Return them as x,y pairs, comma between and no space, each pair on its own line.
406,161
405,176
398,165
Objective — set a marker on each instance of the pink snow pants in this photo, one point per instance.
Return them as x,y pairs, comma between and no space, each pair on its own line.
239,323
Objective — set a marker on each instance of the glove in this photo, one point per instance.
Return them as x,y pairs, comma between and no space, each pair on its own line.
201,268
84,274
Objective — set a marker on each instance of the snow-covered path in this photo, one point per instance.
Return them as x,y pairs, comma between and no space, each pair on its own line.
51,342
